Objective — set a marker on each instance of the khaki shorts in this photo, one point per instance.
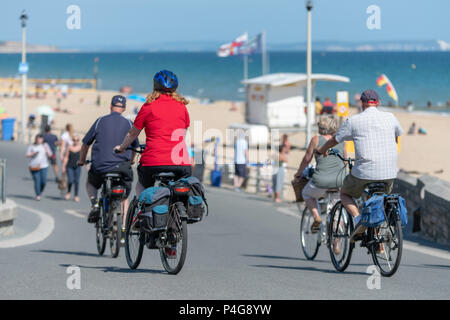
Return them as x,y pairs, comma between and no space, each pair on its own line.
354,187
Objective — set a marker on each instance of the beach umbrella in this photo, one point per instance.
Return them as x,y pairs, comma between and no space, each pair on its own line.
45,110
384,80
137,97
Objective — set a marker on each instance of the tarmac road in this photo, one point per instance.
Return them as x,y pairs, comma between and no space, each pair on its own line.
247,248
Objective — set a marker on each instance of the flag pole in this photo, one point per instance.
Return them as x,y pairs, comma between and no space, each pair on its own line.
263,52
245,66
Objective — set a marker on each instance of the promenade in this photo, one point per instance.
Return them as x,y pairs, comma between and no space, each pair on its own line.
247,248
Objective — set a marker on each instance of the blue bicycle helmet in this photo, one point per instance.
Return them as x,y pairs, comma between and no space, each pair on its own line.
165,81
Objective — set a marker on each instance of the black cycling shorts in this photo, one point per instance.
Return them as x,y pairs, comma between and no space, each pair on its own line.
147,174
96,179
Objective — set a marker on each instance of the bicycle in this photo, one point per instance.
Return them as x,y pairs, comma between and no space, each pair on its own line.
311,241
109,225
382,242
172,236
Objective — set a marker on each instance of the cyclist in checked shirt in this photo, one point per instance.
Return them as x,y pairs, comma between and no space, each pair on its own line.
375,135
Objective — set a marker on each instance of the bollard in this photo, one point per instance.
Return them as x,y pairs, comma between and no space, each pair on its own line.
3,179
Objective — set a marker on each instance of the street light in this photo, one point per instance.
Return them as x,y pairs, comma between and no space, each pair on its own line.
23,19
309,115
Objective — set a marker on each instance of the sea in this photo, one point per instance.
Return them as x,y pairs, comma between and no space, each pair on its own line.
420,78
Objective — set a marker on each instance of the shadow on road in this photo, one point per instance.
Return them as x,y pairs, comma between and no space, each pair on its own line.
117,269
76,253
55,198
307,269
295,258
21,196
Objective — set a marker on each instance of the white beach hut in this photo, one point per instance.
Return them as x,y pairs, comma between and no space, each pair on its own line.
278,100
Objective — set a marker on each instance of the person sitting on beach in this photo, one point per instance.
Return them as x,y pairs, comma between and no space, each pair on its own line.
328,107
105,133
328,174
375,134
165,118
412,129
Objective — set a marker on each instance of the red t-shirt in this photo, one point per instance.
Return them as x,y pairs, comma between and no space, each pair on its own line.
165,121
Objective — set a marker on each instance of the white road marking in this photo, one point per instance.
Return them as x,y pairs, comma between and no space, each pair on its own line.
426,250
74,213
289,212
407,245
43,230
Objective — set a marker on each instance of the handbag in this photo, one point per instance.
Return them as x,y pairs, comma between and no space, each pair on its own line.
36,168
298,185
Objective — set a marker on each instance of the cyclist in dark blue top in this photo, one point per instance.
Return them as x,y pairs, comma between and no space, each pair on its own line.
106,133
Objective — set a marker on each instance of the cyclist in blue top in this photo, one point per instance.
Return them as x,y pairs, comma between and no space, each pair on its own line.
107,132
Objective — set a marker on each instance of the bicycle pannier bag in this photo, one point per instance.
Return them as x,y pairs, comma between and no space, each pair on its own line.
155,208
373,212
197,204
402,211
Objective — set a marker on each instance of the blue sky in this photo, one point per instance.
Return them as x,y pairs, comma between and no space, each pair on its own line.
145,22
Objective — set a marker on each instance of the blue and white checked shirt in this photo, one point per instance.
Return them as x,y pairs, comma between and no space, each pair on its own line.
373,132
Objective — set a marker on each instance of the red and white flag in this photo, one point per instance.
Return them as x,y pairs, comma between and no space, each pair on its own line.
232,49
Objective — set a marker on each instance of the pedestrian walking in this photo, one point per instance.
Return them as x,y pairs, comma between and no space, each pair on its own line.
240,160
280,168
71,168
66,141
39,152
53,142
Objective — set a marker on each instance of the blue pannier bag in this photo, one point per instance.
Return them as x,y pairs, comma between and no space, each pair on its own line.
155,208
197,203
402,211
373,212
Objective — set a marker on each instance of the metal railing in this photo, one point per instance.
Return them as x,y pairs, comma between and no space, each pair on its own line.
3,180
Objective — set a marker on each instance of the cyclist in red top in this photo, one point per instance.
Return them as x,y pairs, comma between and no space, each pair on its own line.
165,119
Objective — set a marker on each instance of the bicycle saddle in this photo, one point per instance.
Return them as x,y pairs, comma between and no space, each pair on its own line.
113,175
165,175
376,187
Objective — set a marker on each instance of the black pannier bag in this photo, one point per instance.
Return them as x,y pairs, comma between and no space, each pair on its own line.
155,208
196,204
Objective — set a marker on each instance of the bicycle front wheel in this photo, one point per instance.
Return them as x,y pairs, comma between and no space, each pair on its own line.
387,247
309,241
173,254
339,230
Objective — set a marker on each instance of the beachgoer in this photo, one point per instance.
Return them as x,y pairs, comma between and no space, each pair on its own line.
328,107
52,141
329,172
165,119
319,106
375,134
66,141
412,129
105,133
39,152
280,169
73,170
240,160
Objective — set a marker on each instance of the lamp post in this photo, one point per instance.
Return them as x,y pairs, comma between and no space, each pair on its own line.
23,19
309,110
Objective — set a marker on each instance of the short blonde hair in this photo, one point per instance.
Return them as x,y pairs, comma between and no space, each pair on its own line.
327,125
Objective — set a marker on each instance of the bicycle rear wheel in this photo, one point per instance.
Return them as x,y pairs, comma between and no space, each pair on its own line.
387,246
339,230
99,234
115,228
176,240
309,241
134,238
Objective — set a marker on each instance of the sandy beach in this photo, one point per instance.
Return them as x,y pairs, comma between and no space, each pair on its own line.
419,154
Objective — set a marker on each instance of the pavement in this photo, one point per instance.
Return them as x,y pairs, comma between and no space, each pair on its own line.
247,248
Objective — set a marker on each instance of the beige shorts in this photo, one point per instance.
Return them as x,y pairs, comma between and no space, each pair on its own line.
354,187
